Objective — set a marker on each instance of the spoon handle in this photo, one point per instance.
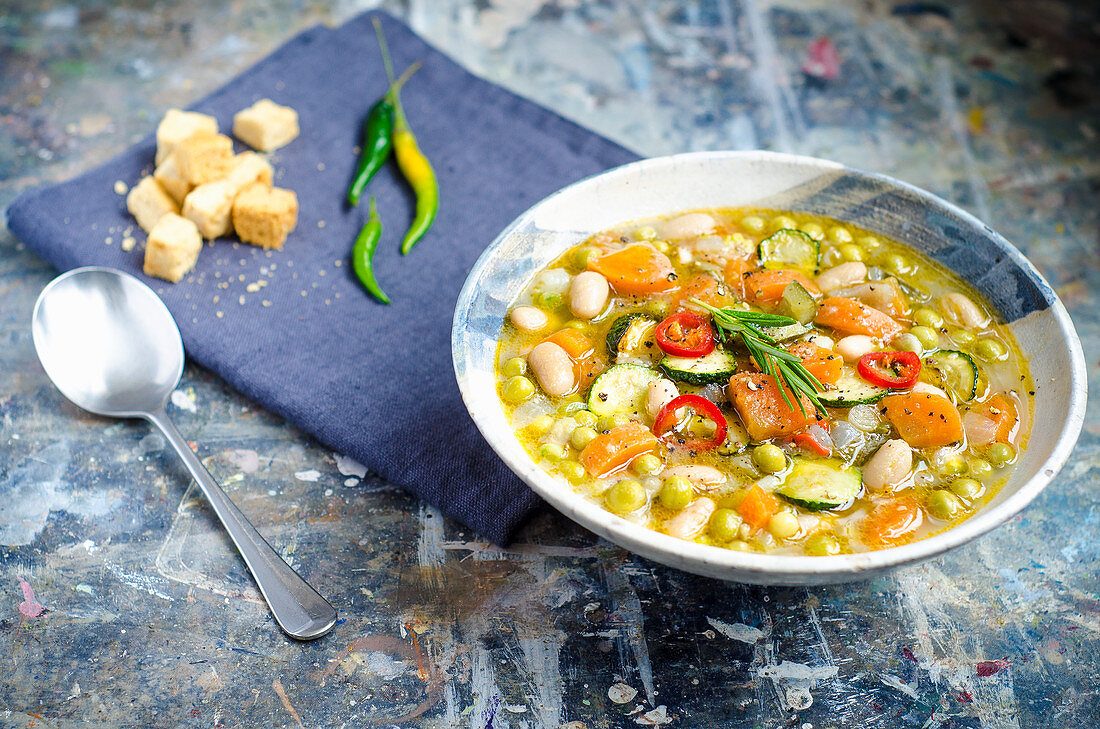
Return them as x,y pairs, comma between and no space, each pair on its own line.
298,608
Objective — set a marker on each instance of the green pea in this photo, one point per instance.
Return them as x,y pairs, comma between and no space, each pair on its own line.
870,242
573,471
572,407
582,436
895,263
961,337
518,389
953,466
944,505
814,230
909,342
752,223
926,317
514,367
548,300
781,222
647,464
840,235
928,337
1000,453
625,496
769,458
979,467
851,252
725,525
647,232
821,545
783,524
657,308
584,256
610,422
739,546
541,424
585,417
551,452
990,349
967,488
676,493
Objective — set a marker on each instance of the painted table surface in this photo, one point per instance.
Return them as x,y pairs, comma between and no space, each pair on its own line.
125,605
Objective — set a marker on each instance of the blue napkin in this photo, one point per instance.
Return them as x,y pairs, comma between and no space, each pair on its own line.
293,329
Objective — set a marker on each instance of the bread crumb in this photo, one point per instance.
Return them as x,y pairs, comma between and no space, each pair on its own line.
128,243
121,188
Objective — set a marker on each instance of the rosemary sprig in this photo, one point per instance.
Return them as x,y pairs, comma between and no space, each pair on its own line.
786,369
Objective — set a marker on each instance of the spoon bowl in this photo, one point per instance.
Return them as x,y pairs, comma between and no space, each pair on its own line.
111,346
107,342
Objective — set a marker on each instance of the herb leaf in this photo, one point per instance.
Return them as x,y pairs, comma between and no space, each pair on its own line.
786,369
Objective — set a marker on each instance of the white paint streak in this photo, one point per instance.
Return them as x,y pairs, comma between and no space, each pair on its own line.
737,631
769,78
311,475
945,91
793,682
349,466
629,608
184,400
894,682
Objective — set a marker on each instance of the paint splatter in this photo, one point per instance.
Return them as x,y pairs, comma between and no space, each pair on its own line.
278,686
823,61
350,467
988,668
30,605
310,475
184,400
620,693
737,631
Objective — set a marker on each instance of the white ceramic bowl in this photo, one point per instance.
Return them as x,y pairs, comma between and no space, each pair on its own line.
732,179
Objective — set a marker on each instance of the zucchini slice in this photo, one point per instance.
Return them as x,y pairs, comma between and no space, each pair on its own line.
851,390
621,389
786,248
715,367
952,370
818,485
797,303
628,332
791,331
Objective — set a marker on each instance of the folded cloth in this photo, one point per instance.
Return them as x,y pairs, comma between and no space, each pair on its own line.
293,329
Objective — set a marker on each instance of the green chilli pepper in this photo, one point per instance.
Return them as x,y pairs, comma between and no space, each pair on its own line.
362,254
377,143
410,160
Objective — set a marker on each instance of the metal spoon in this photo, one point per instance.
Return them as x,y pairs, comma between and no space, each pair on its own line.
111,346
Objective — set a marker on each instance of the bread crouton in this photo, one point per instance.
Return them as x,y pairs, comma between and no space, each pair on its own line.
266,125
264,216
173,248
204,157
148,202
177,126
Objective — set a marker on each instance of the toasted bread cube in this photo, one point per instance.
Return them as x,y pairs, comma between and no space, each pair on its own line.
249,167
171,179
204,157
177,126
210,208
266,125
173,248
264,216
148,202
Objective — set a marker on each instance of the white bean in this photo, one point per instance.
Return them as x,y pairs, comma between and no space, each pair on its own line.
692,519
889,466
588,294
661,392
528,318
552,368
687,226
846,274
702,477
961,310
820,340
855,346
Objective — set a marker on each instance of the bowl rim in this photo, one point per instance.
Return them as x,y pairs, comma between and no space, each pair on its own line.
714,560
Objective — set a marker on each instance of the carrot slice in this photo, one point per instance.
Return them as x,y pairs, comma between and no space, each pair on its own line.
735,273
636,269
1001,410
615,449
923,420
891,523
765,414
821,363
766,286
757,507
573,342
705,288
849,316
